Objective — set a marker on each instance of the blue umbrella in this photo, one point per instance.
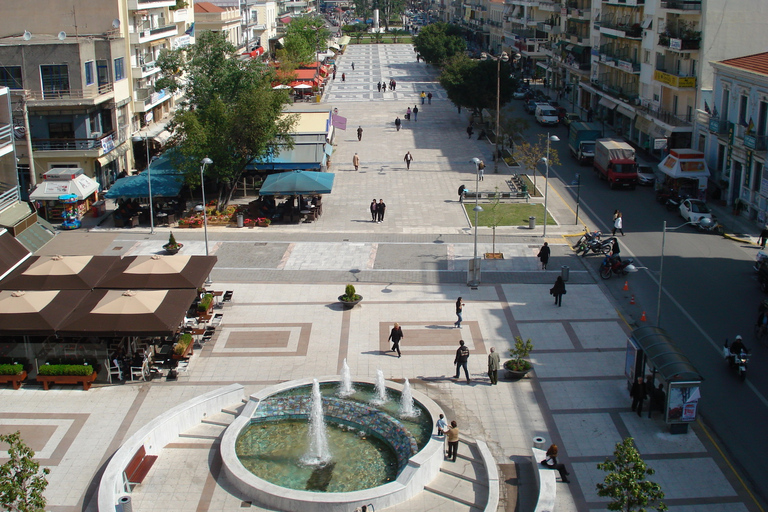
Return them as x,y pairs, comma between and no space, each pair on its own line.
163,185
297,183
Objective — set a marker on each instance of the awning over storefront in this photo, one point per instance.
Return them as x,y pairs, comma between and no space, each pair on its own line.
660,132
345,40
626,112
644,125
162,137
82,187
163,185
607,103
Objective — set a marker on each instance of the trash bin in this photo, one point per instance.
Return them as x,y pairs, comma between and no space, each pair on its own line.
531,222
239,220
565,272
124,504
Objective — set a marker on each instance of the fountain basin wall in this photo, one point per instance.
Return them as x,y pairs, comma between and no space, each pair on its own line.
419,470
346,413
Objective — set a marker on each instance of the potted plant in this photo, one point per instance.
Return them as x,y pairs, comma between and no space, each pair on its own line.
517,367
182,347
350,298
263,222
205,304
66,374
13,373
172,247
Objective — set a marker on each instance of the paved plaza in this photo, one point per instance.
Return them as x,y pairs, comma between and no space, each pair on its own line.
285,323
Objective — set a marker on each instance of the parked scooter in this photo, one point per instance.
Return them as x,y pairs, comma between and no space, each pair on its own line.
737,359
670,199
599,246
586,238
613,265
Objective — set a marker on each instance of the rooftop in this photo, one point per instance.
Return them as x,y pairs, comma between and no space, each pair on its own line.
757,63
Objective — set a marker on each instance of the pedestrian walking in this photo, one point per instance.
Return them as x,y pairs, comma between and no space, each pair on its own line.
395,335
397,123
462,191
415,113
544,255
343,77
423,97
408,113
558,290
616,250
418,57
381,208
383,86
394,85
618,224
374,211
391,84
379,86
763,236
353,66
481,170
334,73
462,355
552,463
452,433
441,425
429,98
470,131
638,394
356,161
359,133
493,366
408,158
459,311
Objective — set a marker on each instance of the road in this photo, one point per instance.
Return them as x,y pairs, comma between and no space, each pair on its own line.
710,294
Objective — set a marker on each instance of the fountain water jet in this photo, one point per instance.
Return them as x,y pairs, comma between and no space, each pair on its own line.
381,389
407,408
318,454
346,388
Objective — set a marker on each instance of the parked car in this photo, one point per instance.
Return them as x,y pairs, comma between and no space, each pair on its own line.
570,117
522,94
693,211
547,115
645,175
531,105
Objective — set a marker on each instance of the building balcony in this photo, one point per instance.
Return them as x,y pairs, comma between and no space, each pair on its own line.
90,147
8,196
145,70
138,5
676,81
633,31
718,125
579,39
179,16
627,93
147,99
609,57
523,33
630,3
528,3
667,117
756,142
580,14
549,27
71,97
681,5
153,34
549,6
6,138
688,42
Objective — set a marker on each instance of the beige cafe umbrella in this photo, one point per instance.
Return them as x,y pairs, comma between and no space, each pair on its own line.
159,272
37,312
59,273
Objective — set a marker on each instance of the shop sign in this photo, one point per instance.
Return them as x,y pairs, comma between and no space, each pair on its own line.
625,66
675,44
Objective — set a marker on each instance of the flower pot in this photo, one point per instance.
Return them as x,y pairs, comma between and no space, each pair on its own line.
172,250
350,304
515,374
14,380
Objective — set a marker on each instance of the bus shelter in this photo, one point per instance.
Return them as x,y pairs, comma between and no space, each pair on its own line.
672,382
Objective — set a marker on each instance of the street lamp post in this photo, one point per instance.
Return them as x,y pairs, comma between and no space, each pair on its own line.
204,162
578,190
477,209
149,182
550,139
503,57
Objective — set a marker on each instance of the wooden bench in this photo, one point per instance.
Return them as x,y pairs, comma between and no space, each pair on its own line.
545,477
136,470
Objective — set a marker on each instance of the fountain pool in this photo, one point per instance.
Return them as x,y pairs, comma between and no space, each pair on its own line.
376,456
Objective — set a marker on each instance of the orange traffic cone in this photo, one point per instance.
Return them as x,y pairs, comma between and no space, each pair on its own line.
632,300
626,286
642,318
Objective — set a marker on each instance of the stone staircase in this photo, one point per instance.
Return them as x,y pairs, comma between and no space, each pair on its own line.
461,486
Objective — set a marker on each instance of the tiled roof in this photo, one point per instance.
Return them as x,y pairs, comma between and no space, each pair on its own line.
207,7
757,63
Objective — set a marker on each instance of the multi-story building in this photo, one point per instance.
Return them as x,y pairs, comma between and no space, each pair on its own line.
258,23
522,34
733,134
219,19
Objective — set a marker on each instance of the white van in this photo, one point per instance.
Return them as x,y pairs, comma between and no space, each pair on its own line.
547,115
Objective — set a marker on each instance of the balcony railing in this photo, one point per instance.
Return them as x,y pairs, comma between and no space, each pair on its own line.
634,30
610,56
5,135
9,198
548,27
627,92
718,125
690,42
71,94
69,144
681,5
681,82
756,142
668,117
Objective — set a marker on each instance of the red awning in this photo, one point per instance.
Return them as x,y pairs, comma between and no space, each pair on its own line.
258,51
285,20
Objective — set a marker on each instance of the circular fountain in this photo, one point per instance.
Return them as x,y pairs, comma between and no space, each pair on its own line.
333,444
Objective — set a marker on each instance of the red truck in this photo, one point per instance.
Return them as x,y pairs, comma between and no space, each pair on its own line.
615,161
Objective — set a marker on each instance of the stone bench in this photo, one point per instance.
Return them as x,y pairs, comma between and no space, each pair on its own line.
546,480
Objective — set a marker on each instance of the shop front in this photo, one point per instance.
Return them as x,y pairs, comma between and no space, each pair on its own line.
65,194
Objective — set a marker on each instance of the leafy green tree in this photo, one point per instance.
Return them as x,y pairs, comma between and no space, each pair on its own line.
439,42
398,33
22,482
303,38
364,9
230,113
625,482
529,154
472,83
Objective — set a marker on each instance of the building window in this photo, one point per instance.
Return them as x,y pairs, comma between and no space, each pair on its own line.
726,104
89,73
10,77
119,69
61,131
646,57
762,118
743,103
55,78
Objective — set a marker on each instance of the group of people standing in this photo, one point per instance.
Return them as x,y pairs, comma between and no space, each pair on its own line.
382,86
378,210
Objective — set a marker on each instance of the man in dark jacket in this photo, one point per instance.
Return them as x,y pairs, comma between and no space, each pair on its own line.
638,394
462,354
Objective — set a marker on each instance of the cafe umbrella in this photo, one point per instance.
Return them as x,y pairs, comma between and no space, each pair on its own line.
298,183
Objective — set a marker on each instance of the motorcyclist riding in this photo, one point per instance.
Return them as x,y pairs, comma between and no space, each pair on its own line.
736,348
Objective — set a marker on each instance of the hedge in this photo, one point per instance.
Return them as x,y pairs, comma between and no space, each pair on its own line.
11,369
65,369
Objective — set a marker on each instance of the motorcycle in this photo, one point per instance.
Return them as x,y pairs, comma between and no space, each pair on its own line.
586,238
737,361
599,246
611,265
670,199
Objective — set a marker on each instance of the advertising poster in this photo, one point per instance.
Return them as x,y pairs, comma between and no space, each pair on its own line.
683,402
629,363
